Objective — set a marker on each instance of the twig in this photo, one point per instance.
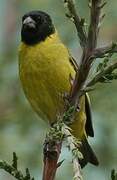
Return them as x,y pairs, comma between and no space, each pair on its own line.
75,153
15,158
77,168
95,10
87,57
113,175
101,74
79,22
101,52
12,169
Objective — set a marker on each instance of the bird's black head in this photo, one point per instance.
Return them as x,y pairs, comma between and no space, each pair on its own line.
36,26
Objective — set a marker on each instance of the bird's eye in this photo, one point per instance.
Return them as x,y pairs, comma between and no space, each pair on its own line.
39,19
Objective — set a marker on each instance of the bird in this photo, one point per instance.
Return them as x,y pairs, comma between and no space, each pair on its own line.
45,67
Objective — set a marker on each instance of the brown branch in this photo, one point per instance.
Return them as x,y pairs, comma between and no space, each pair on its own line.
52,152
101,52
79,23
87,56
94,23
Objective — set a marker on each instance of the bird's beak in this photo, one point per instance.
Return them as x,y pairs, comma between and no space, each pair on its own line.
29,23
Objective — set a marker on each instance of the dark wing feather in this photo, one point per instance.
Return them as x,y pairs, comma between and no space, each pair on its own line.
73,63
88,126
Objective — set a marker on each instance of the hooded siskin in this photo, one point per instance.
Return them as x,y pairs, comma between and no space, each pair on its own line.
45,68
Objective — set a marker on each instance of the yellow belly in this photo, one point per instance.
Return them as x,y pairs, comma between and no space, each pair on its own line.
44,72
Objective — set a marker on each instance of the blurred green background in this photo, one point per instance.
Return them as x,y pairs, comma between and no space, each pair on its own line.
20,128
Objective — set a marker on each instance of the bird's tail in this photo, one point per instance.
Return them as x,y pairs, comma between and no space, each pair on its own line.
88,154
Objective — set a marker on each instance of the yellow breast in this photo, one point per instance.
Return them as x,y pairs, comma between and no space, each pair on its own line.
44,73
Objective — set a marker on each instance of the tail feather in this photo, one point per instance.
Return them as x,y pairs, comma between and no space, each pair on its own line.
88,154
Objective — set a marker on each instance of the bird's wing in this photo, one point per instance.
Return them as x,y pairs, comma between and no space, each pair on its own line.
89,125
73,63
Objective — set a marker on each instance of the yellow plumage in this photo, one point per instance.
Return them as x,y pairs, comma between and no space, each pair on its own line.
44,71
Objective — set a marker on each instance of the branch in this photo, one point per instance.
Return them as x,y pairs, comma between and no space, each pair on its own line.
79,22
87,56
103,75
113,175
52,150
95,6
12,169
51,156
101,52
